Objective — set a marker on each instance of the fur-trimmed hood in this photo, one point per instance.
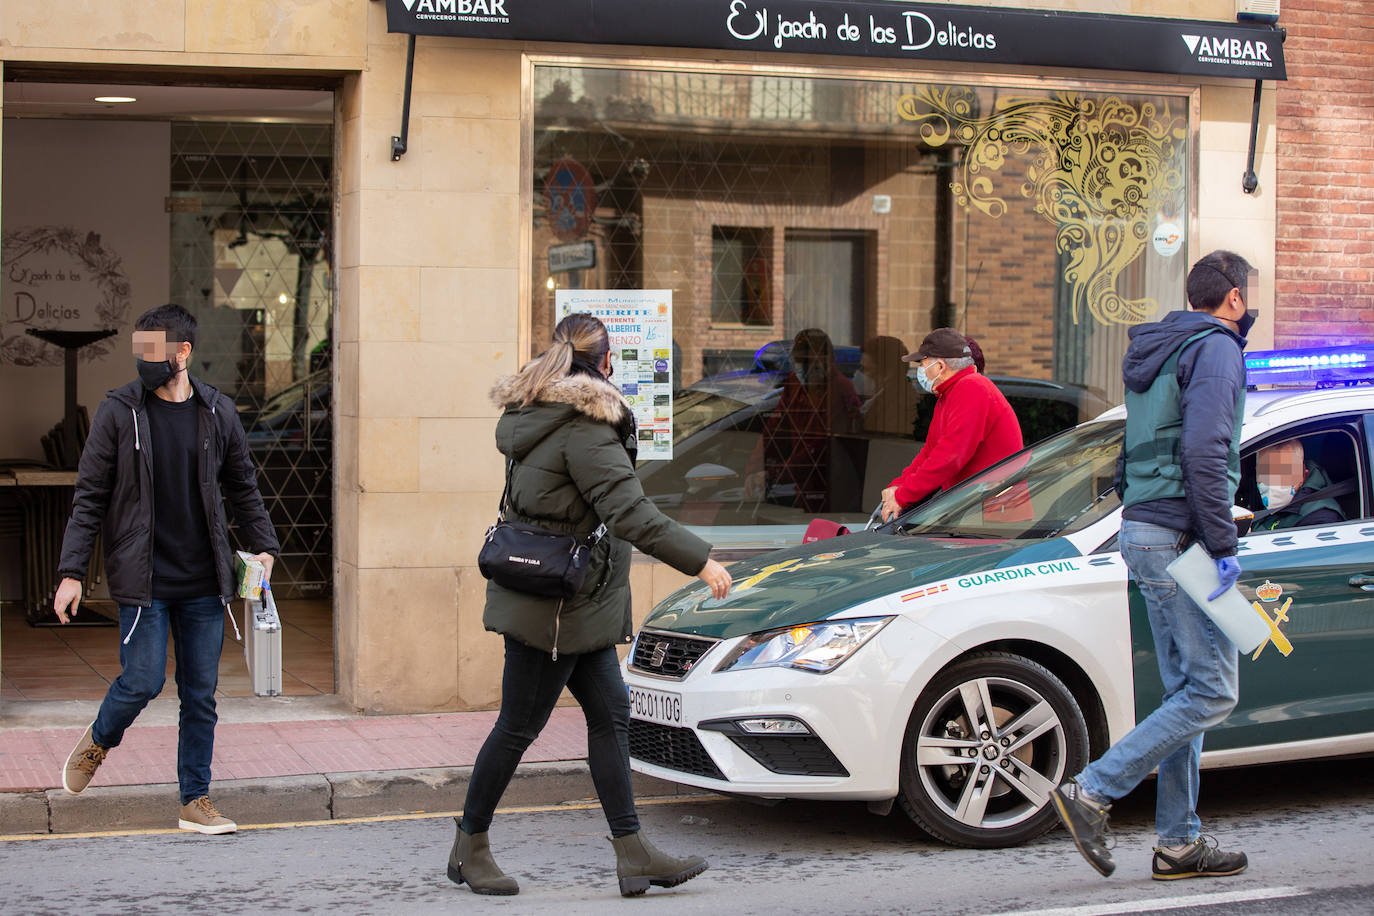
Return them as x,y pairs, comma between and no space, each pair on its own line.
558,402
597,398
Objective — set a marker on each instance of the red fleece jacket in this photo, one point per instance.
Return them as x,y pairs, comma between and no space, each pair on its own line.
973,428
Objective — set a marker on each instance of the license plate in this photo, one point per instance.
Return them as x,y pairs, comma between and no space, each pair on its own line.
655,706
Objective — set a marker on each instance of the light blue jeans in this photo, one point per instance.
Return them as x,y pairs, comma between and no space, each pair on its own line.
1198,665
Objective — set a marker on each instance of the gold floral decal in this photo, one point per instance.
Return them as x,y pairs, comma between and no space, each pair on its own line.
1098,168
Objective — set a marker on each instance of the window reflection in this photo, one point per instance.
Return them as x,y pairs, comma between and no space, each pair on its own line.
781,210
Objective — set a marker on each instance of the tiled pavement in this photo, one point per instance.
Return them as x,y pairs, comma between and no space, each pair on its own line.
54,678
31,758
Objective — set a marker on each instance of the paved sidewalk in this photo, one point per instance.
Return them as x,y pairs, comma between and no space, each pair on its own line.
276,759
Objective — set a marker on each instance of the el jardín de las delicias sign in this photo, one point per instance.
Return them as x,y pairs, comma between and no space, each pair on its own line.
878,28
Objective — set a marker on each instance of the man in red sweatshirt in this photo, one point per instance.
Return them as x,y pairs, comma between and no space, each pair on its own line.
973,428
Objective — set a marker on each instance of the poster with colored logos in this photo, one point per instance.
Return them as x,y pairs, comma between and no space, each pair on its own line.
640,325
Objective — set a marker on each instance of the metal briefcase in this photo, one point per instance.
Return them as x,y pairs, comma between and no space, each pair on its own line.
262,644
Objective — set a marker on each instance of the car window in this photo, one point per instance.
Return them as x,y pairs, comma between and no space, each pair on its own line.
1057,486
749,453
1287,477
696,410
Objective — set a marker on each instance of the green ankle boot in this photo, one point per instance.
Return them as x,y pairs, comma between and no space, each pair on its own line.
470,863
638,864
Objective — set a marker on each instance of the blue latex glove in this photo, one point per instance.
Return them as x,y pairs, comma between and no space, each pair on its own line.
1228,568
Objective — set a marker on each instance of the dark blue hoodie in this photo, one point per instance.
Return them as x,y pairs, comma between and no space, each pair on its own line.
1211,381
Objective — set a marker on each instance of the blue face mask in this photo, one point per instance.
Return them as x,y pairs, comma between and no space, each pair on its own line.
923,380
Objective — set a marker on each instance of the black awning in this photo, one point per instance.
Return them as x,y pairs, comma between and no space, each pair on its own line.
877,28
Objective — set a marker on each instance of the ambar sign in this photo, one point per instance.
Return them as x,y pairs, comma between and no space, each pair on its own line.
453,10
1228,50
868,28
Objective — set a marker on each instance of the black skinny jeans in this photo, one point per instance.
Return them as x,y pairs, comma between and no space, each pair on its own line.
530,686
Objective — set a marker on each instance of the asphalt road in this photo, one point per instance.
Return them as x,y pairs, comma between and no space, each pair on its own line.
1308,828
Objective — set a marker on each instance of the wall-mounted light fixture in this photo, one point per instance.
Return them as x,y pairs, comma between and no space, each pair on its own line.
1266,11
1257,11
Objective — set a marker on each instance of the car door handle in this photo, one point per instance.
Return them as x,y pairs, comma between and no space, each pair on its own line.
1364,583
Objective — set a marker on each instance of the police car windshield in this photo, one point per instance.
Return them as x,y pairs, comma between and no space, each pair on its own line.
1057,486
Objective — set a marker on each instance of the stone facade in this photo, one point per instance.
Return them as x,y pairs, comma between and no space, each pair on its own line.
432,275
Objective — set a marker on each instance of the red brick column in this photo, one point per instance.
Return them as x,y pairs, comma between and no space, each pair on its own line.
1325,236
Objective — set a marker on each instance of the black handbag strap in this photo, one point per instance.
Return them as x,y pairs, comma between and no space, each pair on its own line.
590,540
505,492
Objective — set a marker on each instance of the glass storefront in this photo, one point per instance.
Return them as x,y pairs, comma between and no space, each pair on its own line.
218,199
250,255
812,230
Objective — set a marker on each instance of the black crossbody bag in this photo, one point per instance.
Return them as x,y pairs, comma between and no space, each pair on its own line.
533,559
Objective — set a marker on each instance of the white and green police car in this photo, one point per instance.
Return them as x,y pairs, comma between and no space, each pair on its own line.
966,659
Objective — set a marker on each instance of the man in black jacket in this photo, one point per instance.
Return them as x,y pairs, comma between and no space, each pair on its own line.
160,451
1185,399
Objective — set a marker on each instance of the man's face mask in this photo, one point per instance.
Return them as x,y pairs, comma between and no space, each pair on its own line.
1275,495
1247,321
155,375
924,378
155,358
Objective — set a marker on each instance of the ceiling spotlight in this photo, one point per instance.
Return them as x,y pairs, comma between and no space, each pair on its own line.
115,99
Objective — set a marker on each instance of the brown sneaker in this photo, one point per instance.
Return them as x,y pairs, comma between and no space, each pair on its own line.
200,815
82,763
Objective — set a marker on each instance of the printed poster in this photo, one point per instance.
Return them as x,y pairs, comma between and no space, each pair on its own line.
640,325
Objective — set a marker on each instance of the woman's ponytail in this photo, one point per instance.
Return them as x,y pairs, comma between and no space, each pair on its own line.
579,338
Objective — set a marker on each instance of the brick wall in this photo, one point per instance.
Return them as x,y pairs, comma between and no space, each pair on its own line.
1009,270
1325,239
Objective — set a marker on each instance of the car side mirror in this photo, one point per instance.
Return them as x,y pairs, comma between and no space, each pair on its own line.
1243,518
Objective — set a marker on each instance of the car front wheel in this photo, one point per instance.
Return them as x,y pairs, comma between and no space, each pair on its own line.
988,739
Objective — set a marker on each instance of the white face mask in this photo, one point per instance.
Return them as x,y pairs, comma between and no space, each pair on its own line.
925,381
1275,496
864,386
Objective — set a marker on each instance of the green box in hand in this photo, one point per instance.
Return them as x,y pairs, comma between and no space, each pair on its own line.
249,573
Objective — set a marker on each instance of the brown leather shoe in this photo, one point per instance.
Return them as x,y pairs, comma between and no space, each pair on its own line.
199,814
82,763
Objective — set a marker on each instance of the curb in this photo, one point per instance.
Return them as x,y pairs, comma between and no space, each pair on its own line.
315,797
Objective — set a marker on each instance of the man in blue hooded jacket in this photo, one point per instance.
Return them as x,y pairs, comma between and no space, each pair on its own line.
1180,464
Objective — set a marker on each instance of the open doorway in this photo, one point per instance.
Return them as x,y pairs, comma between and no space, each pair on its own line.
219,199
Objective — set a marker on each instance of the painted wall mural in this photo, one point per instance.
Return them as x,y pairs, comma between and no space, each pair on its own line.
1099,168
58,277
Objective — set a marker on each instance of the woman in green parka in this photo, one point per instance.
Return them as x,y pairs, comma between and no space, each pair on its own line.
569,440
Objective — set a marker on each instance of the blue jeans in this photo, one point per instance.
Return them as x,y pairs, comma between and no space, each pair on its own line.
1198,665
197,628
530,686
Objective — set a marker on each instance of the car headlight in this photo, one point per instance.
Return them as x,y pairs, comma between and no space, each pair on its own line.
818,647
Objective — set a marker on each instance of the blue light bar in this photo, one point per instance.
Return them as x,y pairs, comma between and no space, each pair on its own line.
1314,367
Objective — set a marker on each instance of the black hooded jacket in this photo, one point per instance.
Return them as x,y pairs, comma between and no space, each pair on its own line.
1211,381
114,492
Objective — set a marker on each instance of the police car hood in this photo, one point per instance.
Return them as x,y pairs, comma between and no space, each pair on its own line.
826,578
